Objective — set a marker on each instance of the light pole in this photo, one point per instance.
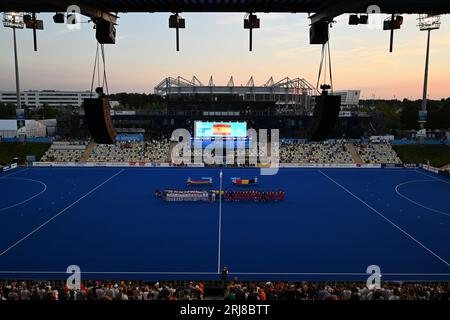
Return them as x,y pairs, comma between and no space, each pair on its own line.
426,23
14,20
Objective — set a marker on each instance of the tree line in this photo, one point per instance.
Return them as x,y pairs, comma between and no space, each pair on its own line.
396,114
8,111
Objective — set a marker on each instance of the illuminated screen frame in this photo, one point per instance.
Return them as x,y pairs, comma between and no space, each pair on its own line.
220,129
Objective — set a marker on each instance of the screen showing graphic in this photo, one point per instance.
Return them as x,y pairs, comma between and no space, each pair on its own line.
220,129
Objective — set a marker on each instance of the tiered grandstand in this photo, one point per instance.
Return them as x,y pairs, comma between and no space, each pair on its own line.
150,151
291,151
65,151
377,153
326,152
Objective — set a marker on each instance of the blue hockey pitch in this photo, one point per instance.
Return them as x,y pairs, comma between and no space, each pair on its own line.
332,226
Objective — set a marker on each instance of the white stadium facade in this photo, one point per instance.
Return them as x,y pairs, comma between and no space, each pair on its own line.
36,99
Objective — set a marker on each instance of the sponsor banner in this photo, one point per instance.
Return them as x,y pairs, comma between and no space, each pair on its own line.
381,138
42,164
65,164
107,164
123,113
196,165
130,137
80,164
400,165
411,165
136,164
117,164
392,165
423,115
430,168
317,165
159,164
369,166
330,165
9,167
345,114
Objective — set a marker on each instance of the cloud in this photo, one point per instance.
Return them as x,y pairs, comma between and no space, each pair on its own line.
61,32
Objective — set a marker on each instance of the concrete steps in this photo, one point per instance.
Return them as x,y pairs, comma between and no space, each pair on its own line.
87,152
355,155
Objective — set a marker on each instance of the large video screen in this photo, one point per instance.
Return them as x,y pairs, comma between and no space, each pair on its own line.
220,129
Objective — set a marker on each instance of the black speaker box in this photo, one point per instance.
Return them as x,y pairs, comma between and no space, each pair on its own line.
105,32
325,116
353,20
59,17
98,119
318,33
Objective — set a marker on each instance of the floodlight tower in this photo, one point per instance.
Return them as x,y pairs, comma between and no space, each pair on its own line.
427,23
14,20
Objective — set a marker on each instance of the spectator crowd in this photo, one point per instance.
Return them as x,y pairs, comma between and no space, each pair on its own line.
99,290
149,151
232,291
320,152
377,153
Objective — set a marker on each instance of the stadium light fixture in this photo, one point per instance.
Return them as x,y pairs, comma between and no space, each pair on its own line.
394,22
177,23
13,20
251,22
429,22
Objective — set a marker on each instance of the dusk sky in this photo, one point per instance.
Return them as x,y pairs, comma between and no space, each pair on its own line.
217,45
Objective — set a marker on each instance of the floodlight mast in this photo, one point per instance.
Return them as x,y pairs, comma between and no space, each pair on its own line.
14,20
177,23
427,23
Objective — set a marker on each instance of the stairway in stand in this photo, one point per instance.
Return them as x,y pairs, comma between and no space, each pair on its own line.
87,152
355,155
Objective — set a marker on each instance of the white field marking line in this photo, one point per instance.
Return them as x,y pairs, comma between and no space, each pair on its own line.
231,273
387,219
220,224
336,274
430,176
59,213
12,173
30,198
416,203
